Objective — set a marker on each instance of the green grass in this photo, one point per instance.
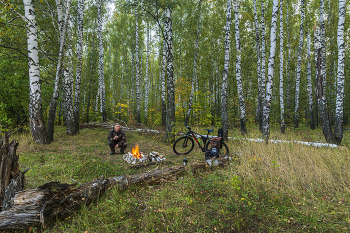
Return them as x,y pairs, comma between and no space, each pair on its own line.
266,188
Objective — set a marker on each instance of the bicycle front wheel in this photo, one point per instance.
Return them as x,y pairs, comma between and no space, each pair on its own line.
183,145
223,150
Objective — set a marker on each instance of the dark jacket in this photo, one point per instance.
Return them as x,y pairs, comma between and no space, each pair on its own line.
121,140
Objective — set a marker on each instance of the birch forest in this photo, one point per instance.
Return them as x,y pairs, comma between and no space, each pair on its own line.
161,64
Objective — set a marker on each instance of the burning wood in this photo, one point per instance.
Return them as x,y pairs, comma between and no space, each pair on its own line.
135,156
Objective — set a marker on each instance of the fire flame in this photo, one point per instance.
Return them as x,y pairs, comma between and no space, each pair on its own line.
135,152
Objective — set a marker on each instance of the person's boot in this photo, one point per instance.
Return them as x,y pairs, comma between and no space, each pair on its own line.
112,152
121,151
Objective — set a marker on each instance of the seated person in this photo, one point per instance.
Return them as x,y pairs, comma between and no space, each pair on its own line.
117,139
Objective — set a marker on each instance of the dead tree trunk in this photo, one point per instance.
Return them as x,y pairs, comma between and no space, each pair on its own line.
11,179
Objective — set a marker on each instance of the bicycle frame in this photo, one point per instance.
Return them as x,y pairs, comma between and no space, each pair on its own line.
192,133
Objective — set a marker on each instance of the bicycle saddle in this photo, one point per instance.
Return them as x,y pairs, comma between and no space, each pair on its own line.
209,130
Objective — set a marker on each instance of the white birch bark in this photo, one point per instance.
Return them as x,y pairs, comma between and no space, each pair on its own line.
80,21
224,95
138,81
242,107
101,61
53,103
316,47
263,53
68,89
162,84
339,113
281,69
170,134
320,84
194,76
297,80
309,84
323,43
258,66
271,64
146,76
288,66
36,119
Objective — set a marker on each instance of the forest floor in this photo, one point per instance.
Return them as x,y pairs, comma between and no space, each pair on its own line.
266,188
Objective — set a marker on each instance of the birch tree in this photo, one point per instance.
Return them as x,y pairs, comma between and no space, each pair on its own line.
68,89
309,84
162,84
321,91
271,64
80,21
281,69
238,72
63,30
170,134
258,66
224,114
146,76
263,63
297,80
339,115
138,79
36,119
101,61
288,62
194,76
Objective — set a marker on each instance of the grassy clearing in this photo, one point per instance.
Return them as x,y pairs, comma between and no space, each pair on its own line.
275,187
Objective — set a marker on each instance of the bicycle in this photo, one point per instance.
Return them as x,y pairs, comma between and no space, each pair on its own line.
185,144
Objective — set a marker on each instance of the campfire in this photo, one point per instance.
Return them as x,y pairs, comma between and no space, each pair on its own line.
135,156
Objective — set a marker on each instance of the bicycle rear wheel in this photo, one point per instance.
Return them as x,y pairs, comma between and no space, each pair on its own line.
223,150
183,145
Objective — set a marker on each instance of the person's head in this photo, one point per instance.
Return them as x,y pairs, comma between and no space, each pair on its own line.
117,127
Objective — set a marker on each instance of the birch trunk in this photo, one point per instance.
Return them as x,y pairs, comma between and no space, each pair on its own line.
36,119
322,103
297,81
162,81
271,64
101,61
242,107
146,77
170,121
339,114
258,66
316,47
80,21
309,85
138,81
68,89
53,104
263,64
281,69
224,95
194,77
323,44
288,66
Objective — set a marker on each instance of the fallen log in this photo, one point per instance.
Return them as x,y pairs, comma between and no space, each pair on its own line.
40,207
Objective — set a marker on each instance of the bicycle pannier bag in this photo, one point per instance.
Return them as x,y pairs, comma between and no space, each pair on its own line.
220,133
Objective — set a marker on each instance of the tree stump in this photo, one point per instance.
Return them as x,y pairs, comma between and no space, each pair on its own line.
11,179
